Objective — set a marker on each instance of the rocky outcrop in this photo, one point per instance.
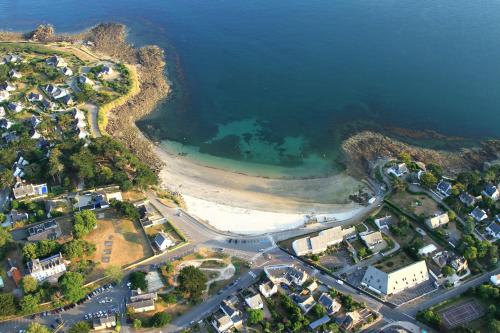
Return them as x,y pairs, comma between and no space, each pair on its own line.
110,39
43,33
363,149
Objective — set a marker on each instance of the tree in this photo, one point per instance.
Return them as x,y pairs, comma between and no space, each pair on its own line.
72,286
399,185
362,252
138,280
77,248
452,215
80,327
405,157
29,251
29,284
37,328
137,324
192,281
170,298
160,319
126,209
83,162
494,326
429,317
84,222
447,270
6,177
29,303
428,180
318,310
492,255
470,253
457,189
7,304
435,169
114,273
255,316
469,226
5,237
56,168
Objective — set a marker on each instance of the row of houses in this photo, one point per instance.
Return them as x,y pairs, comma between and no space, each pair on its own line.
490,191
229,316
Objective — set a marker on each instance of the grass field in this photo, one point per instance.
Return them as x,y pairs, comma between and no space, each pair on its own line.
415,203
118,242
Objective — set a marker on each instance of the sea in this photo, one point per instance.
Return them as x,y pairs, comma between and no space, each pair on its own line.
273,87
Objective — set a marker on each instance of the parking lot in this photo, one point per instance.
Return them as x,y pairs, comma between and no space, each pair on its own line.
67,316
413,293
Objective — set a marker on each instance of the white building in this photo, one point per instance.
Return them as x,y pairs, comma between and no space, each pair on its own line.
286,274
56,61
163,241
22,191
66,71
491,191
494,229
383,222
254,302
51,267
331,305
398,170
372,239
478,214
444,188
268,289
495,280
4,95
427,250
320,243
437,220
397,281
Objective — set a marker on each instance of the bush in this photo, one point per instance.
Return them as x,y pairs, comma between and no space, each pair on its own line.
137,324
126,209
138,281
430,317
255,316
160,319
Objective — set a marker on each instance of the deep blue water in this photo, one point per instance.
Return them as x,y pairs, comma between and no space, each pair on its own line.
283,81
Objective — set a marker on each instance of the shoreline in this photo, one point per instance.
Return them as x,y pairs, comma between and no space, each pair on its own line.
245,204
235,201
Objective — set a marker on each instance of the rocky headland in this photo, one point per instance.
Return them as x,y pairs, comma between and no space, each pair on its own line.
363,149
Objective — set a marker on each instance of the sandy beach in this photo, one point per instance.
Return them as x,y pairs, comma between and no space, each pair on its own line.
248,204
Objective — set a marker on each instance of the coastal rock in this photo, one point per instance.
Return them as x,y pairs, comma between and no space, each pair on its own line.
43,33
363,149
110,39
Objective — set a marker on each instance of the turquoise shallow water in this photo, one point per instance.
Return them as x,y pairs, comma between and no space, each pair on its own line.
275,82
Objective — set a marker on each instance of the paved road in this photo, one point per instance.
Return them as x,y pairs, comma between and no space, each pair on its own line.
93,116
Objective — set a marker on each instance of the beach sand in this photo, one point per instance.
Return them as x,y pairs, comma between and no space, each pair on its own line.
249,204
